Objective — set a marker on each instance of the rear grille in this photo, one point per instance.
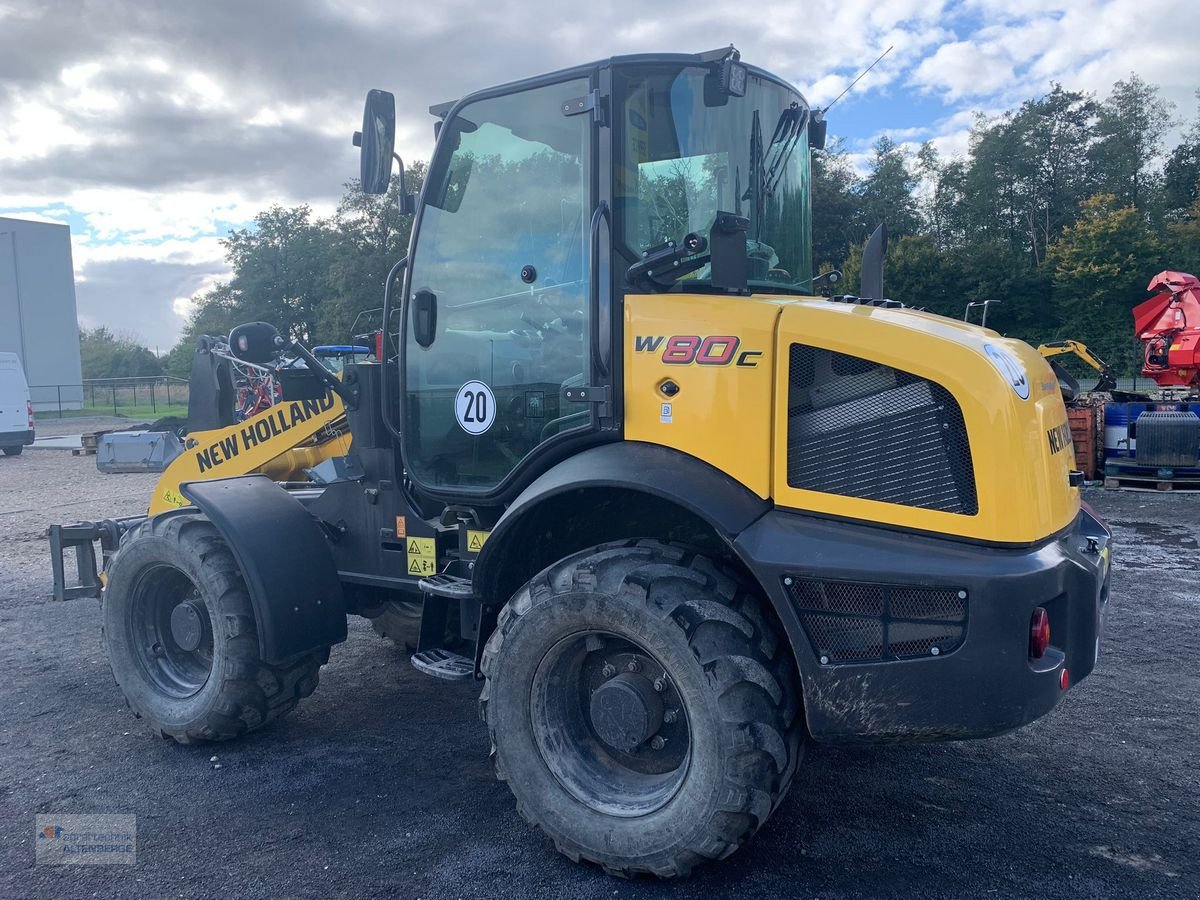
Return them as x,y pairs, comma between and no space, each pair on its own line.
849,621
860,429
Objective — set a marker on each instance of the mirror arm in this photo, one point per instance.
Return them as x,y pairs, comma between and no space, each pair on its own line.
348,394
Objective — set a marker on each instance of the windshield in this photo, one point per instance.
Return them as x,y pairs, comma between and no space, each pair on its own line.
687,151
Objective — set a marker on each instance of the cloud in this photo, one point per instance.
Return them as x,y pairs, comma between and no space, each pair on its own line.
154,127
141,296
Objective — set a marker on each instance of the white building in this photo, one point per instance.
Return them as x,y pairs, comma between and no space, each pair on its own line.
37,309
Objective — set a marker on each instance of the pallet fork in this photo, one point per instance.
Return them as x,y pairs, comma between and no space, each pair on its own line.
81,537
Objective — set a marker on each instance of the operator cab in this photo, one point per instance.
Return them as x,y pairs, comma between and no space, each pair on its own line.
546,201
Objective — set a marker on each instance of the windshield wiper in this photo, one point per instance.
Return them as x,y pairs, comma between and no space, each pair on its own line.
765,177
663,265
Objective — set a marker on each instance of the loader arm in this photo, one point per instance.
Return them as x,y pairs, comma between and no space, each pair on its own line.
281,441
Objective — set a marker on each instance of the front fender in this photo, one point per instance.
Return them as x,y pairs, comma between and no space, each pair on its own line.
285,560
725,504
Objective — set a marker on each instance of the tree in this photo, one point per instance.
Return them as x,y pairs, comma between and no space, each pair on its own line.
370,235
1181,174
1101,266
104,354
887,191
1129,142
308,277
835,209
1183,241
281,269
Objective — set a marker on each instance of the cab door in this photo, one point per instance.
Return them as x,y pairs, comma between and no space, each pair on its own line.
497,322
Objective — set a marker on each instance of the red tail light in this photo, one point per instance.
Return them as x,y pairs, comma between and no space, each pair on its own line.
379,345
29,410
1039,633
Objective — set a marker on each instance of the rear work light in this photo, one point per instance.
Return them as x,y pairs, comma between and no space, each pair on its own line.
1039,633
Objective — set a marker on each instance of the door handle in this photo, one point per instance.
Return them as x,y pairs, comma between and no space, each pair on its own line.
424,316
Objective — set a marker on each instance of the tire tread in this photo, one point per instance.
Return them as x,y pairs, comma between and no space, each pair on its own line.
754,677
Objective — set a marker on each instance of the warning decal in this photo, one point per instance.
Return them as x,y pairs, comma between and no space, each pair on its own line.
475,540
422,558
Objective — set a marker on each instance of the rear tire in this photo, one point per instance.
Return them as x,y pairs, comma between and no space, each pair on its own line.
643,708
399,620
182,640
13,451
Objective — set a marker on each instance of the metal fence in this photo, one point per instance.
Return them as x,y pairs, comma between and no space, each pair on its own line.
151,398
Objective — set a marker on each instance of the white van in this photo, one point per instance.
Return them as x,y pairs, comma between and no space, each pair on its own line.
16,411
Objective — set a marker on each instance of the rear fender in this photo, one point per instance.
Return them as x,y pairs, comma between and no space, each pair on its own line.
285,560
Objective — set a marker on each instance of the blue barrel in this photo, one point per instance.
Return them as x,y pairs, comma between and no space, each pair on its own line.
1117,419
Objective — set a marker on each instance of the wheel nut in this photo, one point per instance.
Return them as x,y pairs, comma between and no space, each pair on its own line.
670,716
658,742
609,670
660,684
634,665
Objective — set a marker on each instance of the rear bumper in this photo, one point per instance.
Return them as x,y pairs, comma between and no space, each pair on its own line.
910,637
22,438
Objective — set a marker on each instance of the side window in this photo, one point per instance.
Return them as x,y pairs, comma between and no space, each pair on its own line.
502,246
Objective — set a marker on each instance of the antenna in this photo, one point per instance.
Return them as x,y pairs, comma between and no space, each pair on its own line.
858,79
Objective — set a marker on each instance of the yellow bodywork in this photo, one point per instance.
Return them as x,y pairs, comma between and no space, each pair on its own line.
731,410
280,442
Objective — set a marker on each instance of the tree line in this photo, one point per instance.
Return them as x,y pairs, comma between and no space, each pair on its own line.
1061,209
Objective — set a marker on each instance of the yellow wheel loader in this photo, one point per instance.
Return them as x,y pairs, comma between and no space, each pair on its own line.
690,516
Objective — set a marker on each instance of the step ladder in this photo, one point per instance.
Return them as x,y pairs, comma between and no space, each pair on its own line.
432,658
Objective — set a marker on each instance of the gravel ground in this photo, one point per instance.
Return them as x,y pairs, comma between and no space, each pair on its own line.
379,784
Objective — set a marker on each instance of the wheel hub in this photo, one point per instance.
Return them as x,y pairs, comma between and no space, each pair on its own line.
626,711
187,625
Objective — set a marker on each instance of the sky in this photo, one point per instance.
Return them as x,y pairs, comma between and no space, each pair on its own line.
152,128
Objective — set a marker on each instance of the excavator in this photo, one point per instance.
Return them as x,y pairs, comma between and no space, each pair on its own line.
1107,382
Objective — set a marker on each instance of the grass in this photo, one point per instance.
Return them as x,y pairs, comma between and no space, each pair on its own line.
141,412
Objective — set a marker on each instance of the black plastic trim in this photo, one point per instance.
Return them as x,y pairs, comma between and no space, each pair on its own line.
727,505
988,685
285,559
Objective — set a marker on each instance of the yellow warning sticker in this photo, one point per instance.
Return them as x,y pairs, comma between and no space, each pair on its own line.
401,527
421,555
172,497
475,540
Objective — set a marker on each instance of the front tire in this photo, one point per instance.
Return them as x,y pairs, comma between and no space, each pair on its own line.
642,707
181,637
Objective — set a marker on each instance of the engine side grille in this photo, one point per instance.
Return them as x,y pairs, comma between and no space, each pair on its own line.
848,621
860,429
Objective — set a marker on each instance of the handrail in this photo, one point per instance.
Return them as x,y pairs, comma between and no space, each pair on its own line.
385,386
601,212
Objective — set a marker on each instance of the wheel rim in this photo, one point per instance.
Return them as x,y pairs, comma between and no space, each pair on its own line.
610,724
171,631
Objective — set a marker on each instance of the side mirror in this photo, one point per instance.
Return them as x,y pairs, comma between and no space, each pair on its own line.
377,141
255,342
818,129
